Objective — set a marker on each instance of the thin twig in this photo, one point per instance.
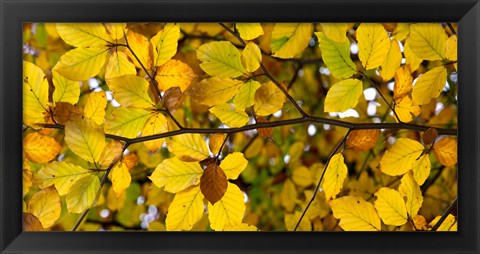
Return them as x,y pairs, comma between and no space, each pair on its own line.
445,215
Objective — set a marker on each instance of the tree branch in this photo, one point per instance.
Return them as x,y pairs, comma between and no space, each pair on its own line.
445,215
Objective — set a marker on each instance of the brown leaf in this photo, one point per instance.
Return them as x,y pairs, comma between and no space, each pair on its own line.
65,111
31,223
130,160
429,136
264,132
362,140
213,183
173,98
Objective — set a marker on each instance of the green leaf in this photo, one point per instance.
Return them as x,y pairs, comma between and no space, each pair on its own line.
220,58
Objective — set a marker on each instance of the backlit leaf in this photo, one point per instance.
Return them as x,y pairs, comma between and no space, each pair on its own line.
119,65
373,45
421,169
429,85
188,147
343,95
85,138
392,61
185,210
451,53
35,94
249,31
116,30
246,95
40,148
445,151
289,40
220,58
403,82
428,41
251,57
31,223
126,122
174,73
355,214
336,56
230,116
156,124
399,158
302,177
139,45
83,194
46,206
449,224
391,207
131,91
81,63
362,140
62,174
213,183
411,58
335,31
111,153
83,34
268,99
95,107
215,90
176,175
411,190
334,176
406,109
120,178
233,165
215,142
229,211
165,43
65,90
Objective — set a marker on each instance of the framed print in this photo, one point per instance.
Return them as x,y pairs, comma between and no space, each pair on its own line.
252,127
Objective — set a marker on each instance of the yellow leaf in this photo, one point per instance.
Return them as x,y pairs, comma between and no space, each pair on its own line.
451,53
120,178
246,95
405,108
46,206
35,94
419,222
131,91
291,221
429,85
83,34
411,58
336,56
392,61
119,65
27,177
188,147
251,57
116,30
30,222
185,210
81,63
343,95
215,142
421,169
220,58
334,176
231,117
399,158
401,31
302,177
410,189
445,151
241,227
140,45
156,124
174,73
165,43
335,31
83,194
176,175
268,99
233,165
112,152
390,207
288,195
403,82
362,140
229,211
85,138
61,174
373,45
65,90
249,31
355,214
215,90
130,160
449,224
428,41
40,148
289,40
95,107
126,122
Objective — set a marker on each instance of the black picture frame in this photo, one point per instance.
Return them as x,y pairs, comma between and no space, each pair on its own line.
14,12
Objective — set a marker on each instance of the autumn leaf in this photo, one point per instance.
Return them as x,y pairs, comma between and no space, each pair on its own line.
335,31
400,158
355,214
83,193
220,58
335,175
249,31
165,42
343,95
215,90
188,147
139,45
156,124
246,94
35,94
46,206
120,178
428,41
81,63
362,140
302,177
251,57
421,169
174,73
406,109
445,151
83,34
115,30
111,153
65,90
288,195
233,165
176,175
40,148
392,61
336,56
127,122
229,211
119,65
373,45
95,107
429,85
185,210
268,99
411,190
61,174
131,91
215,142
289,40
403,82
85,138
213,183
264,132
391,207
231,117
